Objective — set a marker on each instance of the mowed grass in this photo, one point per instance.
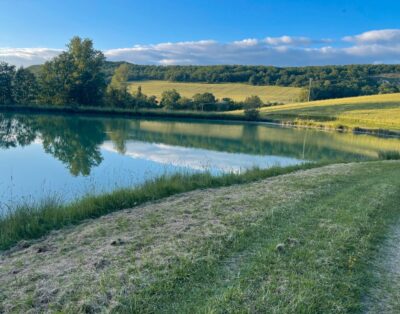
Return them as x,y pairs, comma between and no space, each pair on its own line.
31,221
236,91
374,112
297,243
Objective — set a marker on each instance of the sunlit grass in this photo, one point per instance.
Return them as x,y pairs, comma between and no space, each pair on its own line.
235,91
377,111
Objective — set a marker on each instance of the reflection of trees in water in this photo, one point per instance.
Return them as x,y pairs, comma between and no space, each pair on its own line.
118,132
72,140
15,132
76,140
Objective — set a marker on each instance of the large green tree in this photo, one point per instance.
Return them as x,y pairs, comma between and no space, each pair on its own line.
75,77
25,87
7,73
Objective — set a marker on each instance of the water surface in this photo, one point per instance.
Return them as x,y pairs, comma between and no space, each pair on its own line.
69,156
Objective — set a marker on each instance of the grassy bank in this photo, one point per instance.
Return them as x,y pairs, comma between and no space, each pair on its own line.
366,112
33,221
235,91
296,243
378,114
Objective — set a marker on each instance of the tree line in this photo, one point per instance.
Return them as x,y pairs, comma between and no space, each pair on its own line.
77,78
73,78
327,81
80,76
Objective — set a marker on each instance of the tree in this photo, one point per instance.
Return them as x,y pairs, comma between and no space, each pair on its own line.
170,98
253,102
251,105
75,76
119,79
117,91
7,73
202,99
25,87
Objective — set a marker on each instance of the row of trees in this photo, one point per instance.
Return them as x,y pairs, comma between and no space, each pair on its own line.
17,86
74,78
328,81
77,78
172,100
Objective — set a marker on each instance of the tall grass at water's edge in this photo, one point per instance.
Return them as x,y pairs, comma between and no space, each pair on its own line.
31,221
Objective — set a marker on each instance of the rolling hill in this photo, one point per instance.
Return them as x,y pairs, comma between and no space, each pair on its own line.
373,112
236,91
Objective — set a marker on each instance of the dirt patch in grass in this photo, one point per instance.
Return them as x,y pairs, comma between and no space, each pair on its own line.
384,297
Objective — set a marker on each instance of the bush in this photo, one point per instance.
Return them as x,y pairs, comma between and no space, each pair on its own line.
251,114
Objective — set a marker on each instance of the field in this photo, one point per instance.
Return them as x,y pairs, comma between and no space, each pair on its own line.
374,112
236,91
295,243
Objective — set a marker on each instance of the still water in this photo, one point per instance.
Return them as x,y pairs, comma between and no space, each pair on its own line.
69,156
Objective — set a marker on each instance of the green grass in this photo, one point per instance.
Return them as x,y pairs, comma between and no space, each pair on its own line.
374,114
236,91
30,221
369,112
215,251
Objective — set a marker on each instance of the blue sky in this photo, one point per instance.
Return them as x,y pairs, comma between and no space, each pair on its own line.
198,28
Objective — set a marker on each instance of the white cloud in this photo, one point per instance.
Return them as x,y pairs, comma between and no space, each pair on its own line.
388,36
27,56
288,40
246,42
378,46
199,159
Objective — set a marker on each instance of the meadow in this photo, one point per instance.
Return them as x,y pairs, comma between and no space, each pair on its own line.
371,112
235,91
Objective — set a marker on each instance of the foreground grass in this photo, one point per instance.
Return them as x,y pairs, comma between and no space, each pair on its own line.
296,243
30,221
236,91
368,112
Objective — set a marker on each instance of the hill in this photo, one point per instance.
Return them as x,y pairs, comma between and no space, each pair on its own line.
236,91
296,243
328,81
373,112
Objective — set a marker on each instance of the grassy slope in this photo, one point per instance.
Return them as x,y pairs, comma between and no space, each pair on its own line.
214,250
28,221
236,91
378,111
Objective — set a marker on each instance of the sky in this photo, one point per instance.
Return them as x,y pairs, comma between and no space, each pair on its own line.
163,32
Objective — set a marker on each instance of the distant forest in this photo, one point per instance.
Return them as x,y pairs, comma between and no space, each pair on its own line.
327,81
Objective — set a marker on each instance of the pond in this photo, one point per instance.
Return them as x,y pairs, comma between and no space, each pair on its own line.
68,156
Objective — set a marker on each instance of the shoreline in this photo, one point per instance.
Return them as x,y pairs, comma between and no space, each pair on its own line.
32,221
302,235
192,115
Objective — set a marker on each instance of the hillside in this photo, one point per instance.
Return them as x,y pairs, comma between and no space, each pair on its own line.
296,243
328,81
374,112
235,91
